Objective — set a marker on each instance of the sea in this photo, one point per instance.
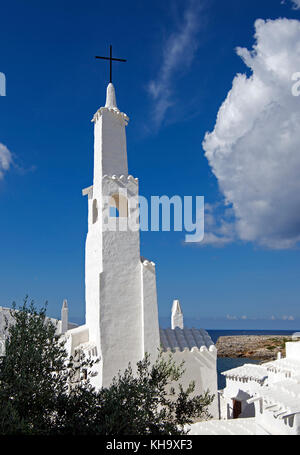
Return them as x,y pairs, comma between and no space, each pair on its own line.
226,363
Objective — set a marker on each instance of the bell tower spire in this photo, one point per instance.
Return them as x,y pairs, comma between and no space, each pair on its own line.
110,150
120,288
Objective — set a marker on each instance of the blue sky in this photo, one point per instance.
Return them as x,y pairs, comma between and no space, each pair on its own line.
181,65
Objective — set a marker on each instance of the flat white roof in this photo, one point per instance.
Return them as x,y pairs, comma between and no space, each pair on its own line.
248,371
233,427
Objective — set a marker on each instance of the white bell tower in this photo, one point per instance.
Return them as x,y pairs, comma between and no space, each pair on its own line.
120,287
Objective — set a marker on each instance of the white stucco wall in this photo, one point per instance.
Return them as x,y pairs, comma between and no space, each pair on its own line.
120,291
75,337
241,391
110,155
269,424
293,350
150,327
200,365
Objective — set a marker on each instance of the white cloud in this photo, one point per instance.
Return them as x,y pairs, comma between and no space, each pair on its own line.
178,54
296,4
288,318
219,228
283,318
231,318
5,160
254,150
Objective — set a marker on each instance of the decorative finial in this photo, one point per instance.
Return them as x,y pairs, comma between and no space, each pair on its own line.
111,97
177,316
64,317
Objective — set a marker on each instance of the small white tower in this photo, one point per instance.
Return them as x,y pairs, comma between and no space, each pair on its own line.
177,316
64,316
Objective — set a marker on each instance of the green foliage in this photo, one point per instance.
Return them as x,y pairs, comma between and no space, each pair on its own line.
43,392
145,403
10,421
137,403
34,373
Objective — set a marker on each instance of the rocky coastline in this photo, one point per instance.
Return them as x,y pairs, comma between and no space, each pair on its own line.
259,347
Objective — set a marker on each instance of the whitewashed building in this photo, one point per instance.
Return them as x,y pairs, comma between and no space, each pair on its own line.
195,348
120,285
6,319
62,325
260,399
241,384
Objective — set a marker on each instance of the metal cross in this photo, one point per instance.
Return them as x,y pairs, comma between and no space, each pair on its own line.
111,59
